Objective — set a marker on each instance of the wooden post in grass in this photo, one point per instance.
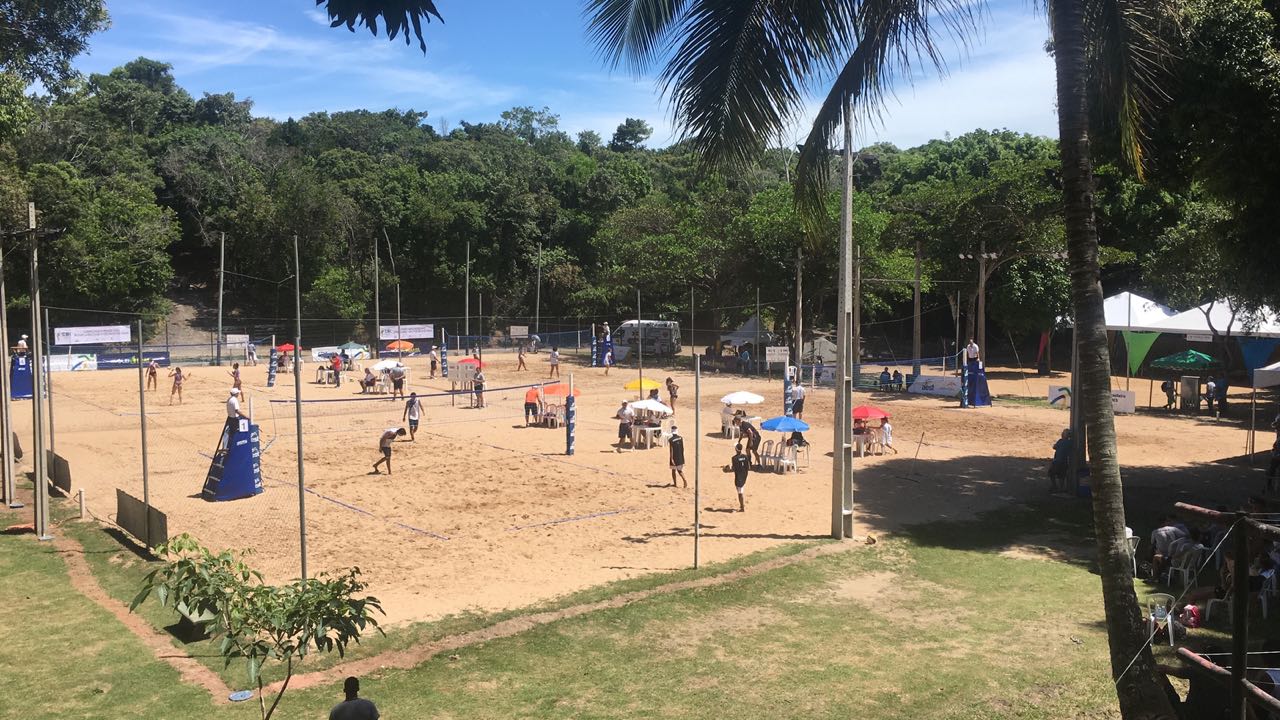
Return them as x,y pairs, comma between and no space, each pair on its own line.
1239,621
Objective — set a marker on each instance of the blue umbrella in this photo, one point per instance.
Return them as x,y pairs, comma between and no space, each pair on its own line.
782,423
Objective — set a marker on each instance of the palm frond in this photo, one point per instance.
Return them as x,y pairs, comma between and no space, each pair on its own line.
892,36
398,16
739,75
634,31
1127,54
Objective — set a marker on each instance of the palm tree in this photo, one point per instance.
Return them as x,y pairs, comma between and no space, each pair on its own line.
736,74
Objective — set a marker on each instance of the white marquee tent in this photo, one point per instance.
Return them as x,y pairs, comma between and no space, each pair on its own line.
1217,317
1128,311
1263,377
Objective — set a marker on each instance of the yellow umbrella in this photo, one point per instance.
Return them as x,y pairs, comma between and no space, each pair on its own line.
645,384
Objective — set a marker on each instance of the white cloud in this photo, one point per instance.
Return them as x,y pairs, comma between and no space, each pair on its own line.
307,73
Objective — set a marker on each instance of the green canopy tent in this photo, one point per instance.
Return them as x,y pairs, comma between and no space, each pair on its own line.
1185,360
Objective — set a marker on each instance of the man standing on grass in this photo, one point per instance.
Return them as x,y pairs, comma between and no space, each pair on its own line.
354,707
412,413
675,444
384,444
740,464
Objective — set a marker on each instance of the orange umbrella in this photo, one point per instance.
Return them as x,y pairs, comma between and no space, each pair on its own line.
560,389
869,412
400,345
287,347
472,361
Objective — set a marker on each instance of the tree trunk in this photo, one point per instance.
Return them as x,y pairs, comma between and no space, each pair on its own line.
1141,692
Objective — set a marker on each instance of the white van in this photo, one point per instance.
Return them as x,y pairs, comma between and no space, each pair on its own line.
661,337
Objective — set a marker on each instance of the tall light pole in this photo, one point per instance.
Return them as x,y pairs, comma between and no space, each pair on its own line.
466,292
537,302
915,324
41,479
640,344
842,445
297,406
377,300
222,274
399,325
799,314
6,474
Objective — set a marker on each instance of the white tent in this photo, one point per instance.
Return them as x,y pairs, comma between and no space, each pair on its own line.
1128,311
1217,317
747,333
1268,376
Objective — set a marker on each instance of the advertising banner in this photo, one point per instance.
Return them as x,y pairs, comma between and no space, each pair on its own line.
74,362
122,360
776,354
518,332
92,335
943,385
406,332
1122,401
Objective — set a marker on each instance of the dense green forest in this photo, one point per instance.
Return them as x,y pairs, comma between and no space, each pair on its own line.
145,180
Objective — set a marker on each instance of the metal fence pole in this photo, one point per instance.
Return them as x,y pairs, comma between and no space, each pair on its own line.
297,407
6,418
40,481
697,457
142,419
48,345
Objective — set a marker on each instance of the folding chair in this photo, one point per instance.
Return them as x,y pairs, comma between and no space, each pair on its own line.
1160,614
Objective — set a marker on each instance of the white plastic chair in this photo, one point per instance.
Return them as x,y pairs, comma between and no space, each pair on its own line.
1160,613
1268,590
787,458
767,457
1187,564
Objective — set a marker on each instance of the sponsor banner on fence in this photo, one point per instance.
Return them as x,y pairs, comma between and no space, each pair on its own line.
518,332
92,335
1122,401
237,342
76,362
117,361
1199,337
323,354
407,332
776,354
944,385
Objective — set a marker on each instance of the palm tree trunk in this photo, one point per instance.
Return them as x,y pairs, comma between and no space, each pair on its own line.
1140,690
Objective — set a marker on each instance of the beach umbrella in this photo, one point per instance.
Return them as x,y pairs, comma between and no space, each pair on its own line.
473,361
651,406
645,384
287,347
1185,360
742,397
386,365
399,345
560,389
785,424
869,412
352,346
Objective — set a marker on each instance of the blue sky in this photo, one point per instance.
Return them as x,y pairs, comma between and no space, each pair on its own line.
493,55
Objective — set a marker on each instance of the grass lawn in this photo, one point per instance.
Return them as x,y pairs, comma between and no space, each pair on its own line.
996,618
